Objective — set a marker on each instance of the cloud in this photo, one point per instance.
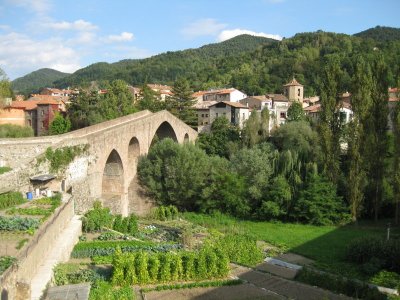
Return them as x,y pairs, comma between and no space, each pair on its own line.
5,27
20,54
203,27
78,25
228,34
37,6
123,37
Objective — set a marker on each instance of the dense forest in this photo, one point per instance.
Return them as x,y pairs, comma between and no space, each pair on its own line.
33,82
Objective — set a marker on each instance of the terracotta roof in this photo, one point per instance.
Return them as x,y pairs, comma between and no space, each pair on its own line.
277,97
393,90
36,97
233,104
159,87
25,105
48,102
393,99
293,82
204,105
313,108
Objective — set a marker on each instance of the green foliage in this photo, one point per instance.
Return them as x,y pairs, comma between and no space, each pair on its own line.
21,243
150,99
209,283
59,125
240,249
387,279
221,139
143,268
18,223
363,250
31,211
106,248
338,284
380,33
15,131
126,225
61,157
107,236
11,199
73,274
163,213
6,262
33,82
96,218
295,112
102,290
5,170
318,203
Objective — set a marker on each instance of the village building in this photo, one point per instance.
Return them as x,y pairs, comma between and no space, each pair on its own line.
219,95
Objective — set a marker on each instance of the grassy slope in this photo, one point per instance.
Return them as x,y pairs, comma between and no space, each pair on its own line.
324,244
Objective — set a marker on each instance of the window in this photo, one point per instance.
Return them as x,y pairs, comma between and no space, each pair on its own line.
43,124
206,115
283,115
29,122
298,92
244,116
202,115
42,112
216,115
224,114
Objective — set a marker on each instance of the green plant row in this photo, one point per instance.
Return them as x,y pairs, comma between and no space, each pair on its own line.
10,199
102,260
164,213
102,290
338,284
30,211
366,250
240,249
18,223
82,249
212,283
144,268
54,201
6,262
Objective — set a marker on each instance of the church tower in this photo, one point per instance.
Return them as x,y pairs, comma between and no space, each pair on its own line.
293,91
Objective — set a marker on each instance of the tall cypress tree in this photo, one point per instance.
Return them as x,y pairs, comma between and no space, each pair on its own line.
180,104
396,162
361,104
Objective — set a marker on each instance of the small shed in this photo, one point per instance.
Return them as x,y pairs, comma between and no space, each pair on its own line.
43,183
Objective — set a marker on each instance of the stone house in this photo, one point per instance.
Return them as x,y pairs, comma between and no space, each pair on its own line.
219,95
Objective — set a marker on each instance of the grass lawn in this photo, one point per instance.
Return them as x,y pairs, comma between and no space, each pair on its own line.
4,170
324,244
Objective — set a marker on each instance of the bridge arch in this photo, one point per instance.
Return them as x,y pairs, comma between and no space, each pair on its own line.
133,153
165,130
113,181
186,138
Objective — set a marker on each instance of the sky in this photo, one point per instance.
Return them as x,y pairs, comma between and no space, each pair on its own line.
69,35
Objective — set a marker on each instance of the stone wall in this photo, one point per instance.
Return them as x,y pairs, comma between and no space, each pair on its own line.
15,280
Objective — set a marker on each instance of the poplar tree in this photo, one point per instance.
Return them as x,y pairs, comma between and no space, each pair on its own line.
378,140
361,104
330,125
396,163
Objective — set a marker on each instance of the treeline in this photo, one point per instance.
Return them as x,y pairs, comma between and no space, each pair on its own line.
323,172
253,65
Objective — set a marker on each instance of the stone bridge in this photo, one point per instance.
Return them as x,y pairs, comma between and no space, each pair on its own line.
107,171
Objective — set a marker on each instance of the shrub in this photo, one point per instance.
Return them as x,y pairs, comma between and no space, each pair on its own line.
15,131
240,249
387,279
97,218
102,290
337,284
366,250
164,213
11,199
18,223
107,236
6,262
60,158
126,225
73,274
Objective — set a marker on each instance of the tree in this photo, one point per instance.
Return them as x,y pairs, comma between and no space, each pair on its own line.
279,199
378,140
256,128
181,102
330,125
5,88
59,125
222,140
361,104
396,162
295,112
149,99
83,110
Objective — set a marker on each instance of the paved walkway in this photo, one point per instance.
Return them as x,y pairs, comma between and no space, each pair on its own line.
287,288
60,253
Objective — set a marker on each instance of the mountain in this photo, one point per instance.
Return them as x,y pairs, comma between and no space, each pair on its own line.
33,82
381,34
165,67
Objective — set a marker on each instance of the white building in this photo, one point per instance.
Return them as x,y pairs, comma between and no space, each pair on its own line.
235,112
219,95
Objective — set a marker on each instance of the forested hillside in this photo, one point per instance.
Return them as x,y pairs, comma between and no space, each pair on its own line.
381,33
166,67
33,82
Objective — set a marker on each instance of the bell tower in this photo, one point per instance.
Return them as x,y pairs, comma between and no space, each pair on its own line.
294,91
